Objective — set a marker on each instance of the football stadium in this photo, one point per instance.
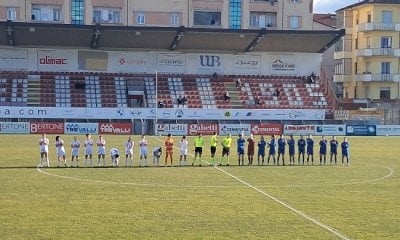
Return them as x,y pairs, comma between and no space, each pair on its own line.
199,119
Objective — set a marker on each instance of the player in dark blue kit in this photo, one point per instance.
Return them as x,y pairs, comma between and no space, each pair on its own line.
310,149
301,145
240,149
345,151
261,150
271,146
291,142
322,150
281,149
334,146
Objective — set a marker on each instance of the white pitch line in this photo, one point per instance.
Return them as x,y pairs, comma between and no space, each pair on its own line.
133,183
298,212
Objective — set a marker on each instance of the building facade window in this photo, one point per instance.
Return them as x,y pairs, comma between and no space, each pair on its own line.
387,17
262,19
384,93
78,12
294,22
386,42
174,20
385,68
140,18
11,13
295,1
235,14
106,15
46,13
203,18
369,17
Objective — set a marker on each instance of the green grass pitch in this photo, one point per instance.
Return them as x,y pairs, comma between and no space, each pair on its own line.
250,202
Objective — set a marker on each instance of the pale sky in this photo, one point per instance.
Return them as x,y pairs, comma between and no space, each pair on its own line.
330,6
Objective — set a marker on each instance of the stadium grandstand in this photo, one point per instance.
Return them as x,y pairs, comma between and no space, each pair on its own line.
76,68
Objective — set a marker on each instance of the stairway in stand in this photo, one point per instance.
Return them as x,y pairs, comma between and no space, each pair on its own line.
235,101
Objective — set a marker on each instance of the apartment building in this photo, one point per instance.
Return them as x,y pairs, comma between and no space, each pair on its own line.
367,57
225,14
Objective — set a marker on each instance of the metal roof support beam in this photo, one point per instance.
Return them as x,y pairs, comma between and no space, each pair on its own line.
261,34
340,34
10,33
94,42
178,37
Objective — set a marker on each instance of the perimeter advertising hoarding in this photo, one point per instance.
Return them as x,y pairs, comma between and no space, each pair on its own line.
204,129
331,130
361,130
388,130
81,128
299,129
234,129
15,59
47,127
174,129
266,129
115,128
14,127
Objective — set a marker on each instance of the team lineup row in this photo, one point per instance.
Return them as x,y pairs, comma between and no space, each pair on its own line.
305,149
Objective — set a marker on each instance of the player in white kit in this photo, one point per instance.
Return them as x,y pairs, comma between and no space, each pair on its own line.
156,156
143,151
44,150
129,152
88,144
60,151
75,146
114,153
101,151
183,150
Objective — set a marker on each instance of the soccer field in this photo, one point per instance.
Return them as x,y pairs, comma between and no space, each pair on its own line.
250,202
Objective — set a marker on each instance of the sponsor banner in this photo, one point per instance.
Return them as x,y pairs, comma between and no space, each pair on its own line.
81,128
93,60
14,59
14,127
47,127
163,113
115,128
174,129
136,62
204,129
246,64
171,62
207,63
337,130
266,129
299,129
388,130
234,129
56,60
361,130
283,65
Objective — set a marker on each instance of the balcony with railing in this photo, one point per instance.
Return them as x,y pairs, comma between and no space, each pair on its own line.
364,27
370,52
370,77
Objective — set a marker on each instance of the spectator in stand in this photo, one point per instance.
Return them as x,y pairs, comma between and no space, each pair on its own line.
226,96
277,92
238,83
179,101
184,99
161,104
257,100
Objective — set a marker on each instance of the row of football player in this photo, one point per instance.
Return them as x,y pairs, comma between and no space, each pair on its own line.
302,145
305,146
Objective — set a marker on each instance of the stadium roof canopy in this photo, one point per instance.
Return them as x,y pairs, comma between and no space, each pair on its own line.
21,34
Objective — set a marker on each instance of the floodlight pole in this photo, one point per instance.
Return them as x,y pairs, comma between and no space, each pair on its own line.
156,107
